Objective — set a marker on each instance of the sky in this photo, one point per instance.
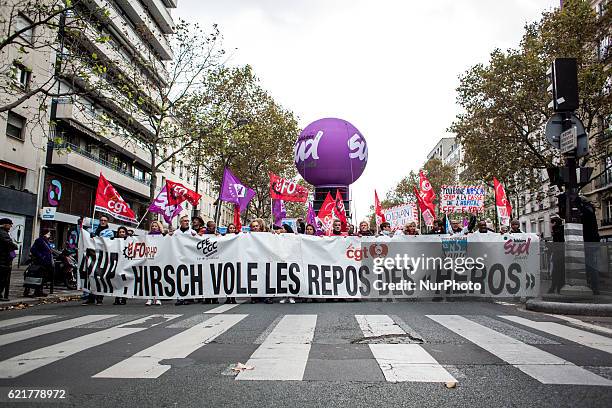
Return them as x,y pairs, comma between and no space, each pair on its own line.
389,67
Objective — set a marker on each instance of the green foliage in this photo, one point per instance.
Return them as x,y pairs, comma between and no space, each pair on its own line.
503,103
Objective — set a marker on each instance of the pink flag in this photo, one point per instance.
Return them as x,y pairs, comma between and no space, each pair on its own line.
161,206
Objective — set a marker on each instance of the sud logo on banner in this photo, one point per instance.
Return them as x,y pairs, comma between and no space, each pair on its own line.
109,201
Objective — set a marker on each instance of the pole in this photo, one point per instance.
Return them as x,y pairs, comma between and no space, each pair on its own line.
196,209
218,206
143,217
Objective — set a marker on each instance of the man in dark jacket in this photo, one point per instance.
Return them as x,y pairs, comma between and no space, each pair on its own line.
7,253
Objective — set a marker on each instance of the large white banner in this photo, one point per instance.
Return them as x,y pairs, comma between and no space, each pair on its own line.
272,265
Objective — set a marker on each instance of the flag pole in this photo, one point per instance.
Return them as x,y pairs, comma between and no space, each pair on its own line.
142,219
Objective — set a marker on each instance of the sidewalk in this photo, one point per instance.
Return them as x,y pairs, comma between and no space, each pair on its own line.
17,300
587,305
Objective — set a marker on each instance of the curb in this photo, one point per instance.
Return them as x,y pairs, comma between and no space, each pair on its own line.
583,309
23,303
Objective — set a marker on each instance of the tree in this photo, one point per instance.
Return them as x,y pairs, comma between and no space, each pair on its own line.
245,129
504,102
438,174
34,51
158,109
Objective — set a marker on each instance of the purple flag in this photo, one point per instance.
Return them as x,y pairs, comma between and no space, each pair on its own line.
160,206
279,212
311,218
233,191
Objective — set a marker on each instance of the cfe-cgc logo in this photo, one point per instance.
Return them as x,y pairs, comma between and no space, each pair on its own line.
139,250
375,250
209,248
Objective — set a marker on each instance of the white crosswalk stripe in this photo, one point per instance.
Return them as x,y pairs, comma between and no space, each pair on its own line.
22,319
541,365
565,332
284,353
146,364
13,337
286,349
24,363
580,323
401,362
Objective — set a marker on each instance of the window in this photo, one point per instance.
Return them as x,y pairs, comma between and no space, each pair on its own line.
180,168
608,209
12,176
22,76
138,174
173,166
22,22
15,126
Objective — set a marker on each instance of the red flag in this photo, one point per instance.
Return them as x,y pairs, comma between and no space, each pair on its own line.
340,211
426,191
426,210
287,190
177,193
504,209
109,201
380,216
326,213
237,222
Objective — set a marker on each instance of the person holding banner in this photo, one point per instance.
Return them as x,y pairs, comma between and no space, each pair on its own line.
231,229
411,229
364,229
184,227
197,225
515,227
385,229
121,233
103,231
309,230
155,230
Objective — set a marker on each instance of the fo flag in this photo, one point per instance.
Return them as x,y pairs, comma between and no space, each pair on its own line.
110,202
286,190
233,191
177,193
161,206
504,209
380,216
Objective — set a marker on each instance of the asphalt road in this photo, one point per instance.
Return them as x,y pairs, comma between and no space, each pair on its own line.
307,354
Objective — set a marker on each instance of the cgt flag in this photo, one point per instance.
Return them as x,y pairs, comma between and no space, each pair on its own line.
177,193
504,209
233,191
286,190
425,197
340,211
380,216
110,202
326,213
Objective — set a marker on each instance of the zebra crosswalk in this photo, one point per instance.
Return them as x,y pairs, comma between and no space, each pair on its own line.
288,347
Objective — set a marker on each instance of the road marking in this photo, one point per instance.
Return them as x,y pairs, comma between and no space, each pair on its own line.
221,309
565,332
541,365
284,353
23,319
50,328
146,363
401,362
586,325
24,363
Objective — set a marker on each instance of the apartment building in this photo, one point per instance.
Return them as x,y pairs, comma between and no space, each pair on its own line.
50,160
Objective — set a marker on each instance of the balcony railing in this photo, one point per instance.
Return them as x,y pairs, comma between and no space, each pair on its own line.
603,180
113,166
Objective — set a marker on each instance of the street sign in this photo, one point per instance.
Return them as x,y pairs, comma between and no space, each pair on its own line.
48,213
554,128
568,140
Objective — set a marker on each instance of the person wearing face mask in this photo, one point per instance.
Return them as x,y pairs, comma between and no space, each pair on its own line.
385,229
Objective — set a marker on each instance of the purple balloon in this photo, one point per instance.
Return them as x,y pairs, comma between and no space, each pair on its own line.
330,152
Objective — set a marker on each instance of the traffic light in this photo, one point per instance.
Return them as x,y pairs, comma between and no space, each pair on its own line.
563,84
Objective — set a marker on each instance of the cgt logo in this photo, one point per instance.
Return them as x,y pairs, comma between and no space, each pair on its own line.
374,250
118,207
208,247
139,250
517,247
